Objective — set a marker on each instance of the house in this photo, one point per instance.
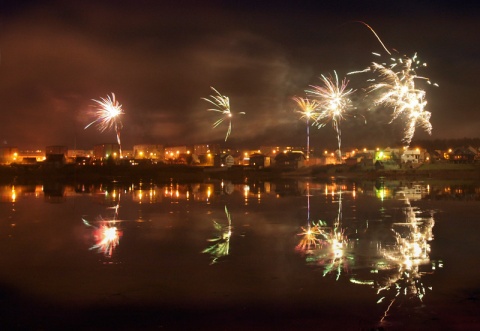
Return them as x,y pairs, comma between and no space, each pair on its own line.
387,154
223,160
437,156
410,156
56,155
290,160
259,161
464,155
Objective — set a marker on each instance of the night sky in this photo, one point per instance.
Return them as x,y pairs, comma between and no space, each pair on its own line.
161,57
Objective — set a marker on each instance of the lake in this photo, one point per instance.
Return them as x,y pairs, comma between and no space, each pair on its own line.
286,254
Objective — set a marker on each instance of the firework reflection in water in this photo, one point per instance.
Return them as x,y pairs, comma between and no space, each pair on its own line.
106,234
325,245
221,243
411,251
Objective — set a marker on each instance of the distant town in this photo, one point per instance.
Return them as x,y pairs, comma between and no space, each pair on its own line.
212,155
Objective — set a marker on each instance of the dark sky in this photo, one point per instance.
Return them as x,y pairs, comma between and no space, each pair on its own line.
161,57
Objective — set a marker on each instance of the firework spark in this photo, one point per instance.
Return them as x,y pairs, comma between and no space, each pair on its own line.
108,115
334,102
308,110
222,105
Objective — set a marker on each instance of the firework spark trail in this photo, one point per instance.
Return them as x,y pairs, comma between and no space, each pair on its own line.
334,103
308,110
108,116
376,35
417,117
396,88
222,105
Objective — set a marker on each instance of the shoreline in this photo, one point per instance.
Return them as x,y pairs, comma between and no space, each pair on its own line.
183,173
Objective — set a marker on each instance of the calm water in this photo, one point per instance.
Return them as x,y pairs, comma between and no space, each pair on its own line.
264,255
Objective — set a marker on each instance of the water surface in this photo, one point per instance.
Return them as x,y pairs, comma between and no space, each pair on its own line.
220,255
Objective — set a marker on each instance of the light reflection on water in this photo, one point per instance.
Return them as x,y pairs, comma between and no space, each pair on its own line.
372,235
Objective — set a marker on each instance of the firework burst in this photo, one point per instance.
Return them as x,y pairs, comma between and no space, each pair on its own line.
108,115
334,102
308,110
395,87
311,238
222,106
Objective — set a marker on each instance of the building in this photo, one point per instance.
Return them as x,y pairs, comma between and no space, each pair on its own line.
413,156
328,158
259,161
223,160
9,155
79,156
464,155
387,154
205,149
204,154
106,151
151,152
290,160
271,151
73,153
56,155
173,153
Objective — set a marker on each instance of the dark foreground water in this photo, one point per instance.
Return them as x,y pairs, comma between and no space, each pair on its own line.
284,255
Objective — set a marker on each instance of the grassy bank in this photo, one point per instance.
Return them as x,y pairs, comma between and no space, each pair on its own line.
439,171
